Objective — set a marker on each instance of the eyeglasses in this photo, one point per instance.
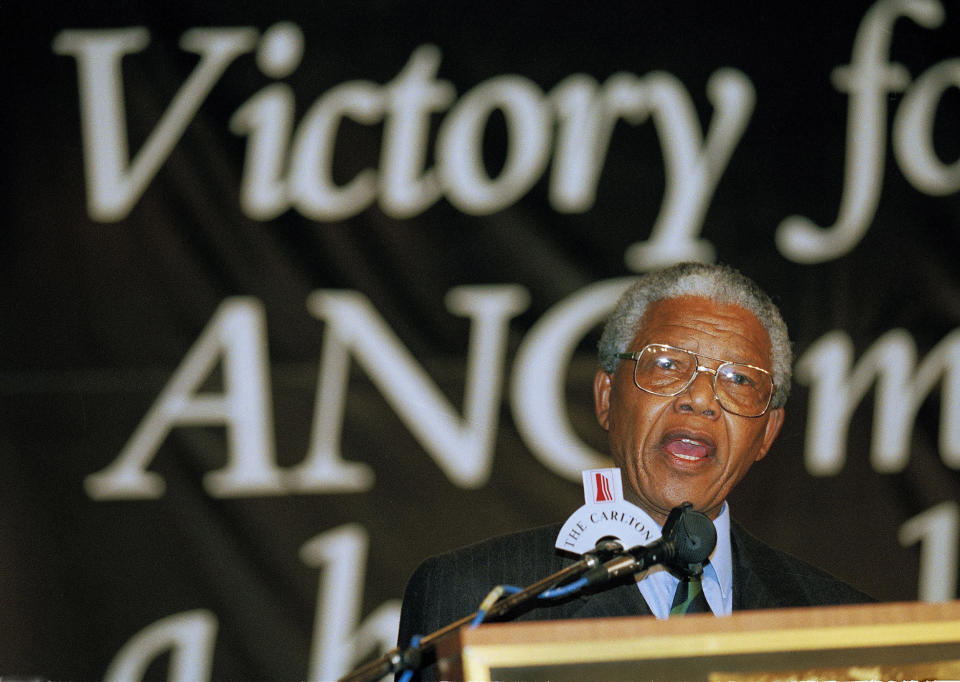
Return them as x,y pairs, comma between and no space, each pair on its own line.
663,370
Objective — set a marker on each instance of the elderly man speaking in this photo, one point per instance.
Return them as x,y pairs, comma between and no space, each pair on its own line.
694,374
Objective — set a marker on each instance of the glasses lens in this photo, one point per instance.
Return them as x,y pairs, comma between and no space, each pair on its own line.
663,370
743,389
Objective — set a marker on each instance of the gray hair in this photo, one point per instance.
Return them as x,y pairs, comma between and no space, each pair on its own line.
719,283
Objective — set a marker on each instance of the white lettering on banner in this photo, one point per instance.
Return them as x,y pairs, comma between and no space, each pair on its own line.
462,448
586,115
585,112
189,638
913,131
460,144
113,183
237,335
267,120
405,105
693,169
339,640
407,187
312,190
693,164
938,531
901,389
537,387
868,79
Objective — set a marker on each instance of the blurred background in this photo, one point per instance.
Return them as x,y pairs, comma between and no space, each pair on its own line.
296,294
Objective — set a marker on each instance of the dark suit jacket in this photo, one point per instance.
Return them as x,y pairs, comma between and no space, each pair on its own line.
450,586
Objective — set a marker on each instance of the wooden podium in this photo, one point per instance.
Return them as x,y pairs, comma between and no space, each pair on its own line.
914,641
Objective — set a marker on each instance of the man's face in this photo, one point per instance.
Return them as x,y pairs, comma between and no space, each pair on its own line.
686,447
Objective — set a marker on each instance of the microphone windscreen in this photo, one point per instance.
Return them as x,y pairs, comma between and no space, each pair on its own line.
692,533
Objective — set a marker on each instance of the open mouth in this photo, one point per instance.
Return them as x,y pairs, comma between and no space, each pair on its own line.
687,447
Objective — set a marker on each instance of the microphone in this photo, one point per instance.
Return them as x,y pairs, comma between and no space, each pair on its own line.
687,540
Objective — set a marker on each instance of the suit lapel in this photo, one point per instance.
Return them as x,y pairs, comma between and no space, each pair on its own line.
753,588
749,591
623,600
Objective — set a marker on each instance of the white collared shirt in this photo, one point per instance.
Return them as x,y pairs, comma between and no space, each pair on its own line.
658,585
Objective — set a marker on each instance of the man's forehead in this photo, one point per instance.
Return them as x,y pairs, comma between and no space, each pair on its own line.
704,325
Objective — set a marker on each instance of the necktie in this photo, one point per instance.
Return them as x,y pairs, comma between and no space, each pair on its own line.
689,598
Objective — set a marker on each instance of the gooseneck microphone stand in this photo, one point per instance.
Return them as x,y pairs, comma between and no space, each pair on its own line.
687,541
398,659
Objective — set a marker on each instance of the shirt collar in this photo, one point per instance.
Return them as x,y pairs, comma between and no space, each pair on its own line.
658,584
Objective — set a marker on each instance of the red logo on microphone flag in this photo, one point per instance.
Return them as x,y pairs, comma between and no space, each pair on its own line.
603,488
605,514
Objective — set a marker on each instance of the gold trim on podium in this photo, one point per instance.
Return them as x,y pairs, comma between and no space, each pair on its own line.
879,641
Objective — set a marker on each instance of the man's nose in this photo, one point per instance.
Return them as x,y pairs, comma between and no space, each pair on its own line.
699,397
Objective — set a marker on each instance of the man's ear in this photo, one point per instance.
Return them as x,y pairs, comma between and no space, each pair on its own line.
602,383
774,424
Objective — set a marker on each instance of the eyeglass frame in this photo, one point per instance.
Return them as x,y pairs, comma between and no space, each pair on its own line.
635,356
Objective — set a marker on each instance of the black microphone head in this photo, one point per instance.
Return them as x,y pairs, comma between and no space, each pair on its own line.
693,536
